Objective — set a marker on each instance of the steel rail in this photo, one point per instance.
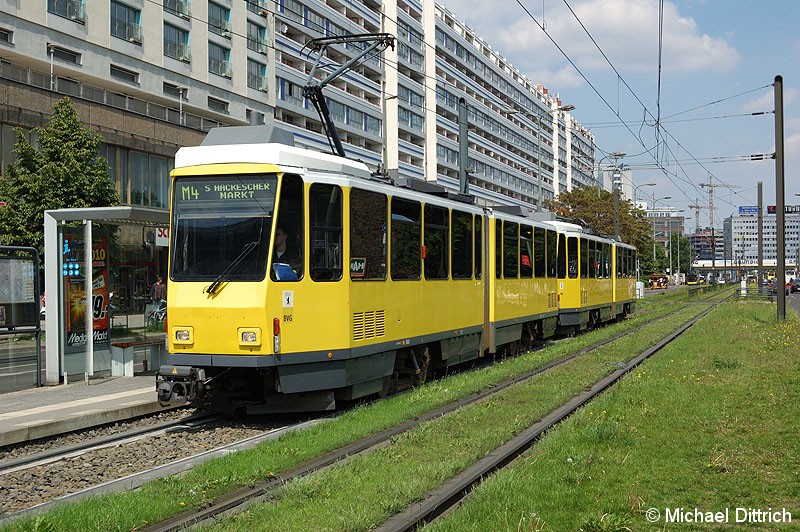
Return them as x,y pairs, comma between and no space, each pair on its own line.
60,453
243,498
449,495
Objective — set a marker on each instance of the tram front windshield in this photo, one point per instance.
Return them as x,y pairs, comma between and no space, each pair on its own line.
221,226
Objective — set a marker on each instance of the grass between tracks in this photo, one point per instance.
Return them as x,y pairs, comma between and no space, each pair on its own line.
352,489
710,423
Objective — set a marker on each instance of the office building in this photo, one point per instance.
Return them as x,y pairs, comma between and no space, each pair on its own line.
741,235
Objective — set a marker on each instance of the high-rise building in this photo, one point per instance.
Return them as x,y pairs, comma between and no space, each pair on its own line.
741,235
151,76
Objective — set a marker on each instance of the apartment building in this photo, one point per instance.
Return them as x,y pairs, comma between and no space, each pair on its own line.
152,75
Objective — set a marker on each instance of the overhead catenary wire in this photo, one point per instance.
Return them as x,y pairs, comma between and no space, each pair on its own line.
635,95
437,80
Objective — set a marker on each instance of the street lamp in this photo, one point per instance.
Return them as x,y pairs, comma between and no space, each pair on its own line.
636,189
654,225
669,232
616,183
616,155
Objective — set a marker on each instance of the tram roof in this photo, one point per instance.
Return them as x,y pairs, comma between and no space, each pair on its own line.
263,145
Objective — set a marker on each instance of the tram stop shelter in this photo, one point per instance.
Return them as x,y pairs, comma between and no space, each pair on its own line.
78,327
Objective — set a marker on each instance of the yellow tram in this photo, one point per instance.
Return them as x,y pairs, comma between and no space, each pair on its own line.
297,278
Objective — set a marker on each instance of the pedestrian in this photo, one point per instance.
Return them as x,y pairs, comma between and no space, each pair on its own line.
158,291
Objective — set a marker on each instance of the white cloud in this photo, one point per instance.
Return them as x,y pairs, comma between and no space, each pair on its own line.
626,31
766,101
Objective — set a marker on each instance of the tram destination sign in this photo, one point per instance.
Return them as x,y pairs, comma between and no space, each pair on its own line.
204,190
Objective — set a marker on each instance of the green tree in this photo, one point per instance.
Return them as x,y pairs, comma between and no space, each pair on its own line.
64,170
595,209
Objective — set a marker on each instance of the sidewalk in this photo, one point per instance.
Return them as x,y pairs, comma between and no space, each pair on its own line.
39,412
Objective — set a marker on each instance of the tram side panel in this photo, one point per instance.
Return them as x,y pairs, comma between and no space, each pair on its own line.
624,279
411,267
585,277
571,292
599,279
523,296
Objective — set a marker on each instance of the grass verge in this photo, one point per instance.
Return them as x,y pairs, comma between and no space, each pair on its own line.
167,497
368,489
710,424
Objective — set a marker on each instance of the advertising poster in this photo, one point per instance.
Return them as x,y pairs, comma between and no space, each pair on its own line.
74,276
17,292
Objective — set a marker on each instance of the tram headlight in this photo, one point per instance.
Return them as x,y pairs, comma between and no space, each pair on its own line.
183,335
249,336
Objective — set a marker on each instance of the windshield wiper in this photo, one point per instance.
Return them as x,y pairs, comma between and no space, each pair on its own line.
238,261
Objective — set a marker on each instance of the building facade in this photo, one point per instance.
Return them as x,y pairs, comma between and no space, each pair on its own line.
741,235
150,76
708,245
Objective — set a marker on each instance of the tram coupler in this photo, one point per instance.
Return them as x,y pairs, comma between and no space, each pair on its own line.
178,385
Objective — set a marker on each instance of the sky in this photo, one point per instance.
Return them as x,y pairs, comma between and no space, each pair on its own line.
718,64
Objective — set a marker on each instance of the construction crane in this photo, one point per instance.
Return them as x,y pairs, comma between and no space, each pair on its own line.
696,206
711,186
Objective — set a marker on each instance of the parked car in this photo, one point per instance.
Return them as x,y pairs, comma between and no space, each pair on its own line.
773,286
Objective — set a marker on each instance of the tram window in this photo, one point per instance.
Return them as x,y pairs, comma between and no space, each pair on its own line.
601,260
436,260
290,220
216,237
584,258
552,252
562,256
593,259
367,235
572,257
405,244
510,250
498,249
631,263
598,250
619,261
325,225
461,243
526,255
607,261
627,256
478,247
539,253
598,259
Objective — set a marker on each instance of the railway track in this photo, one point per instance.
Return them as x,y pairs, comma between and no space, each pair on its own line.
447,497
35,482
37,459
449,494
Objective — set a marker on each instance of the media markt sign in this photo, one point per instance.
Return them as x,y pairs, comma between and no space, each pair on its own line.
73,273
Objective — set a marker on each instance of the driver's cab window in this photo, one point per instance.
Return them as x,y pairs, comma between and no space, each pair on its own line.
287,248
